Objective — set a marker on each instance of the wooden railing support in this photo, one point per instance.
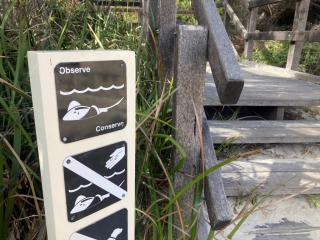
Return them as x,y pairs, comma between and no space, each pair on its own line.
251,27
299,24
227,17
236,21
189,79
214,193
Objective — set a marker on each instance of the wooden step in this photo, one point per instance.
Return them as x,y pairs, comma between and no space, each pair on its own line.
266,88
290,175
285,131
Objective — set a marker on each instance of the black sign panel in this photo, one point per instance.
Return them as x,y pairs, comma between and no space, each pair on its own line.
91,98
95,180
113,227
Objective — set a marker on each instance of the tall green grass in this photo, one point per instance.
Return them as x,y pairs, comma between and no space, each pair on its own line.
275,53
69,25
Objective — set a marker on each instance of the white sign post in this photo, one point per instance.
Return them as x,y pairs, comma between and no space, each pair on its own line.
84,107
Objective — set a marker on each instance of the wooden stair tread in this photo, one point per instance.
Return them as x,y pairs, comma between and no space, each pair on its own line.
284,131
264,88
292,175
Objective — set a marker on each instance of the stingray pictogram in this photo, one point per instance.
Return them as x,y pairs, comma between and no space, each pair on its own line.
76,111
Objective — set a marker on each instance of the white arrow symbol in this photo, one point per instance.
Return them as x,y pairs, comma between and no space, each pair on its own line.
83,171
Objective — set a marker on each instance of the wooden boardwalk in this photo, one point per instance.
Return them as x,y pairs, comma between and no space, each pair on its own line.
267,86
264,88
288,176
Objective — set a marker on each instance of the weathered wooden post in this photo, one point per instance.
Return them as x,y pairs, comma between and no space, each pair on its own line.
189,78
299,24
251,27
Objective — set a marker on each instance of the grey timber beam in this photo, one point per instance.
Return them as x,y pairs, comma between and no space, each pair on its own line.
189,79
241,29
118,3
311,36
282,131
258,3
299,24
167,25
215,196
251,27
225,68
284,72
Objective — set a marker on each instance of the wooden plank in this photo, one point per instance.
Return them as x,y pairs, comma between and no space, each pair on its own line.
292,175
225,67
260,3
217,204
311,36
265,88
272,165
117,3
251,27
237,184
189,78
167,27
284,72
241,29
295,219
285,131
291,124
299,24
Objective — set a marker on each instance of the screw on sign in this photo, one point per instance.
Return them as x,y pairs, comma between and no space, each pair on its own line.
95,180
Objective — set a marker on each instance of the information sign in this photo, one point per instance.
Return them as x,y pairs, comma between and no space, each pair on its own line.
91,98
84,107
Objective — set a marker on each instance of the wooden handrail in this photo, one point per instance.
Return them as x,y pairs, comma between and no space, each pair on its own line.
225,68
296,37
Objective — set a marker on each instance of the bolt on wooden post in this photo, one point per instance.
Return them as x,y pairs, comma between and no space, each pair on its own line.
84,107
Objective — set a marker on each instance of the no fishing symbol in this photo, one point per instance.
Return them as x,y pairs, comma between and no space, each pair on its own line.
95,180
